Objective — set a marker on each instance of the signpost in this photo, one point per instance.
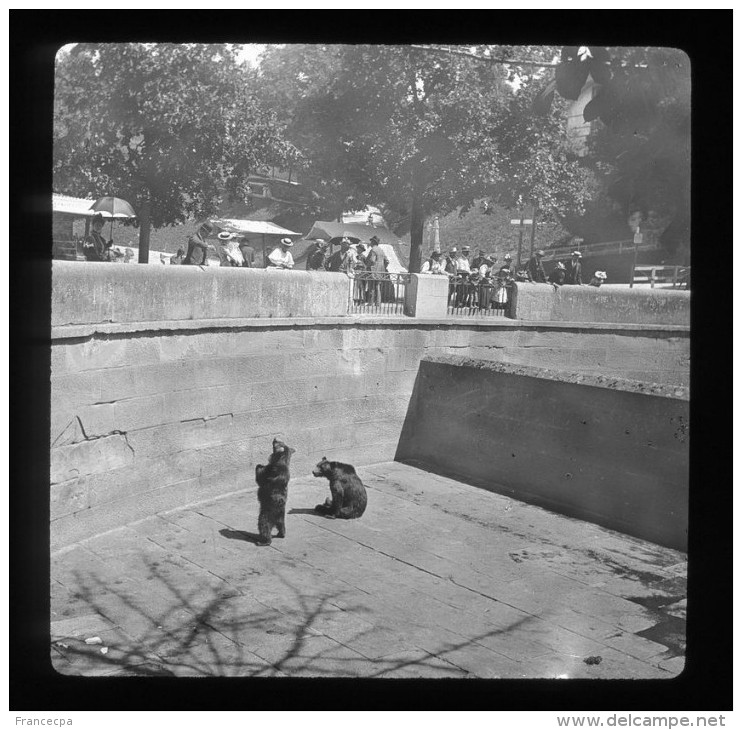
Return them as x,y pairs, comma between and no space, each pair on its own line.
533,226
521,222
638,238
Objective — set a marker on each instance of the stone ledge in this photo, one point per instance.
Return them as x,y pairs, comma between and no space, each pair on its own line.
599,381
75,331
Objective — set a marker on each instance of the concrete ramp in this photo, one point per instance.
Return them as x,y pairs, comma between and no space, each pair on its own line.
607,450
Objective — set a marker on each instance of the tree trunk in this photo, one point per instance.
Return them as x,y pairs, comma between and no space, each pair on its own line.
144,226
417,226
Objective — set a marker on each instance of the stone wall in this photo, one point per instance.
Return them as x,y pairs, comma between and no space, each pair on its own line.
601,304
98,293
609,452
167,390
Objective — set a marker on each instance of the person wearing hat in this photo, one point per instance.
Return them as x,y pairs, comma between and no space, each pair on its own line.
574,269
462,261
229,253
558,274
536,268
507,262
466,251
360,285
95,247
598,278
376,263
503,281
449,261
198,249
317,255
482,263
361,254
280,257
343,259
434,265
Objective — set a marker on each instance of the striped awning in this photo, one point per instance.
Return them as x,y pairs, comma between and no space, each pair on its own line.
247,227
79,207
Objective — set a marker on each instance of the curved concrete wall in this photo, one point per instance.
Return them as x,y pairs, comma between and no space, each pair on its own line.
149,415
609,452
86,292
601,304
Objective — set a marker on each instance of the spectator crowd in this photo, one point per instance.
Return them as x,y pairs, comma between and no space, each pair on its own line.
473,280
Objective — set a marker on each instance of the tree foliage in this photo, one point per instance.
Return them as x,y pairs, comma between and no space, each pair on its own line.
168,127
641,147
538,164
413,131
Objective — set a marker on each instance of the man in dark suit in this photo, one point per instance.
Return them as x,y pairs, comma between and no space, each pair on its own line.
198,249
574,269
536,268
317,255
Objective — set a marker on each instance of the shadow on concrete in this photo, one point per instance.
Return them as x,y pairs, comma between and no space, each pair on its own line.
303,511
243,535
219,630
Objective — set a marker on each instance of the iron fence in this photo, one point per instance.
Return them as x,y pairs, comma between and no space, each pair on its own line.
373,292
485,298
678,276
605,247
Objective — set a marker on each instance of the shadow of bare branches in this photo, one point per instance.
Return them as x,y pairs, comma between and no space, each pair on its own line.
214,628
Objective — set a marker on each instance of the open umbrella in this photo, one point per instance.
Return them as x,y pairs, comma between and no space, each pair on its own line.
110,207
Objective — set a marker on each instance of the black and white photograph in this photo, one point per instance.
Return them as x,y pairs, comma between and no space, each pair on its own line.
370,360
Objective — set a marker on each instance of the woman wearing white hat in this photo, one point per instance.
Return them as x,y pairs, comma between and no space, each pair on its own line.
280,257
229,251
598,278
558,274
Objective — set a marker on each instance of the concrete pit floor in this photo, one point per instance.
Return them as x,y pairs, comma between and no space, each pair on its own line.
437,579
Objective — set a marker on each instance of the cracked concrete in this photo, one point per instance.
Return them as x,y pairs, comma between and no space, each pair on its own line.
438,579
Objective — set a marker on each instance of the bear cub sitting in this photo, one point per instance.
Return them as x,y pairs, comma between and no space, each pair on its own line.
273,484
348,499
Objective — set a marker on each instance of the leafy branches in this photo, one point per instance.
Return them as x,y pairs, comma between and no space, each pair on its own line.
169,127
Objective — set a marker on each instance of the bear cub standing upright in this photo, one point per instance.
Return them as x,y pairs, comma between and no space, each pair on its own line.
348,499
273,485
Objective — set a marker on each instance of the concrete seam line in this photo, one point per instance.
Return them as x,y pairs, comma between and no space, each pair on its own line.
80,331
430,572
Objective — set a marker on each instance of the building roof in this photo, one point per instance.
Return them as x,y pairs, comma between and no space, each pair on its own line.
248,228
78,207
332,229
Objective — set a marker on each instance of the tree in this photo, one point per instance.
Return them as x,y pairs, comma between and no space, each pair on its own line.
538,165
415,131
171,128
393,125
641,148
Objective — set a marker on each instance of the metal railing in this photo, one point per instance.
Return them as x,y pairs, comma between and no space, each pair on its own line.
485,298
373,292
69,249
675,275
605,247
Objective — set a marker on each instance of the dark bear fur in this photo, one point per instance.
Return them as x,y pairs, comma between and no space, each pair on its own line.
348,499
273,485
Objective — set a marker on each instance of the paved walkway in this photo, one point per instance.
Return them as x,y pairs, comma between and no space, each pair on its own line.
438,579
